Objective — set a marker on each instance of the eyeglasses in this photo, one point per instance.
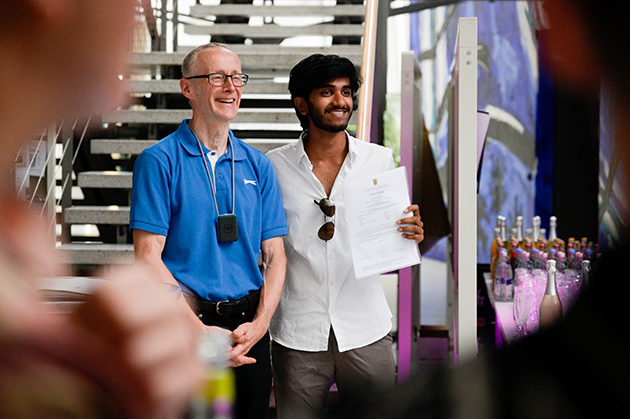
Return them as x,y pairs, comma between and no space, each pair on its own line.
326,231
219,79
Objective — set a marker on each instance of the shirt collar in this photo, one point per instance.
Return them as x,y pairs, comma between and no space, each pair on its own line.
189,142
300,154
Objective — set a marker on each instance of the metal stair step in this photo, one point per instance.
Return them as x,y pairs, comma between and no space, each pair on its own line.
275,31
96,253
176,116
255,49
104,179
261,57
258,87
276,11
135,147
113,214
122,146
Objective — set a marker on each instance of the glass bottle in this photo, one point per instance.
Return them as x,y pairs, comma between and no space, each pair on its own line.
503,279
215,398
498,242
537,235
586,275
550,307
519,230
535,229
553,239
553,223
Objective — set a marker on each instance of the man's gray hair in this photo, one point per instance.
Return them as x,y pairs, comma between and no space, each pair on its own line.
189,59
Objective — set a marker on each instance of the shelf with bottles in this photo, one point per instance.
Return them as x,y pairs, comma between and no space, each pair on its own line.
523,265
530,249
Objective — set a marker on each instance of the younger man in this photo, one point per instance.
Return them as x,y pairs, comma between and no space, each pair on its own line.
328,325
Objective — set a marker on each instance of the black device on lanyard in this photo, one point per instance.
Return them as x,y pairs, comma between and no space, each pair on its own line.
227,224
228,228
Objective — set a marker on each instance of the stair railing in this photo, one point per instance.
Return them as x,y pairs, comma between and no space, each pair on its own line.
52,169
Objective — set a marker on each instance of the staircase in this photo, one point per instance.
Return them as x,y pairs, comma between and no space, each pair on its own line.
267,50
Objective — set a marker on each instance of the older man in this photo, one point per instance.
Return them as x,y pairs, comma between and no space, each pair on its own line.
204,205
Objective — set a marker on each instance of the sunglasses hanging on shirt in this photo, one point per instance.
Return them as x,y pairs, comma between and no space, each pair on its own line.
327,230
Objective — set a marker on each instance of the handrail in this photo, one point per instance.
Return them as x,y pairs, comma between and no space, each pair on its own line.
366,95
149,17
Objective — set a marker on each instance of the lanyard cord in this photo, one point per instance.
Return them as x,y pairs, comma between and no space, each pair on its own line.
212,185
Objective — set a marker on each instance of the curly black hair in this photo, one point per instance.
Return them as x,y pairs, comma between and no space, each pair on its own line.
317,71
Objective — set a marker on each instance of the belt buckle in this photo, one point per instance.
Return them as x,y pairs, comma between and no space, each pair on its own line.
217,307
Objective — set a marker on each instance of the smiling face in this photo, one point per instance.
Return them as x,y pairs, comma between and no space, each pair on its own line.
214,104
329,107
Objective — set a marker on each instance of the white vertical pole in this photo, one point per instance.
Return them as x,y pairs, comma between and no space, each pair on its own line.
465,191
410,136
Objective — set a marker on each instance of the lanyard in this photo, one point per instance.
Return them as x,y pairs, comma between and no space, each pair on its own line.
212,185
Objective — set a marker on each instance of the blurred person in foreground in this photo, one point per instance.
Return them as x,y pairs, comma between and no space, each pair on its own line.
128,351
578,368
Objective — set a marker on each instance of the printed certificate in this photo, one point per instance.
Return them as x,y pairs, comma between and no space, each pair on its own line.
373,205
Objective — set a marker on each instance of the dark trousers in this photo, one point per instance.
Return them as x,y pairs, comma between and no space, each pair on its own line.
253,381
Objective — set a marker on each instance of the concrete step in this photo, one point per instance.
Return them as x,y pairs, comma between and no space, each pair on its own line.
96,253
122,146
277,11
113,214
256,87
176,116
135,147
275,31
104,179
261,57
256,49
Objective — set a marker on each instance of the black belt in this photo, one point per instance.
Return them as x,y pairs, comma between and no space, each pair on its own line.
243,305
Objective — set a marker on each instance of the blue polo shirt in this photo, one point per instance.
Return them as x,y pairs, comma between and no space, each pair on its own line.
172,197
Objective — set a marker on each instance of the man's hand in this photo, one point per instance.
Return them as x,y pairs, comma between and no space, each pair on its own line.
245,337
414,230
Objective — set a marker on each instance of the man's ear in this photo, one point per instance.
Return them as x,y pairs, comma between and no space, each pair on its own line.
571,54
301,105
184,85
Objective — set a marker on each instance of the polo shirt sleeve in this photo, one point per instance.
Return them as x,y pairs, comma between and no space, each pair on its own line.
150,204
274,222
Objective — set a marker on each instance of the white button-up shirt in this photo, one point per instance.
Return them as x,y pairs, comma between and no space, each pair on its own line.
321,289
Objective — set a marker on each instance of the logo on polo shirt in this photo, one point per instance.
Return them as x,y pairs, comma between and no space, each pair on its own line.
249,182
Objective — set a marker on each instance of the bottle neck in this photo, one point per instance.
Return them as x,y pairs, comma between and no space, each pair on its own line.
551,280
552,229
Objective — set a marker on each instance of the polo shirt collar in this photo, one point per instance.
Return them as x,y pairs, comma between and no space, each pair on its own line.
300,154
189,142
